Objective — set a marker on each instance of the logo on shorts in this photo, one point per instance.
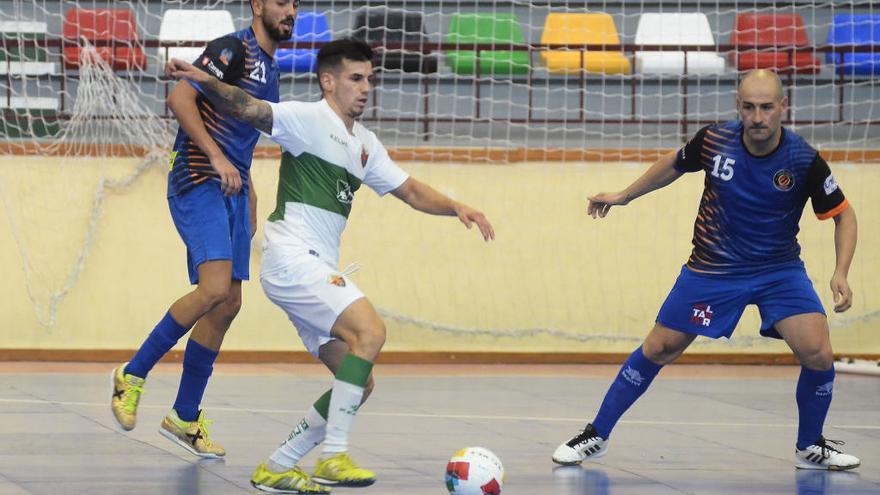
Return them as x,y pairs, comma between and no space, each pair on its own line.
825,390
783,180
343,192
702,315
633,376
336,280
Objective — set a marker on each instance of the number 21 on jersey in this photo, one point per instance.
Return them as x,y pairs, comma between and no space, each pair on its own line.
723,171
259,72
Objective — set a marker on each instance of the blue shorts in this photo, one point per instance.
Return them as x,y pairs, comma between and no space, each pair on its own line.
213,227
711,305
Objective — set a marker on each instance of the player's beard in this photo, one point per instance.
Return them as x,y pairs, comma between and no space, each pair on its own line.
274,30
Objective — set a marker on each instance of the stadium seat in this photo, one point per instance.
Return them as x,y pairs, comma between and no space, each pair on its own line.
24,60
675,30
761,41
380,25
29,117
116,26
309,28
582,29
191,25
498,29
856,29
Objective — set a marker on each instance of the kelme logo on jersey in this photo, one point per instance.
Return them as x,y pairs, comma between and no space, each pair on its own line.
213,69
343,192
830,185
702,315
336,280
783,180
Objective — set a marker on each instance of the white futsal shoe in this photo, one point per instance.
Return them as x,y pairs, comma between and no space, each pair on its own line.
820,455
585,445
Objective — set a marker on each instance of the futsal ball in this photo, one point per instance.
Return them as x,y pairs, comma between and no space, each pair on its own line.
474,471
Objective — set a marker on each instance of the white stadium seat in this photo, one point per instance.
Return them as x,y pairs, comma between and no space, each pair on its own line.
676,29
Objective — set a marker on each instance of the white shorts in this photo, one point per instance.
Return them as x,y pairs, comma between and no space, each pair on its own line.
313,294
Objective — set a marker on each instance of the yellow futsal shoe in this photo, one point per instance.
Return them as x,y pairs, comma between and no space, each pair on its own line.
127,390
340,470
191,435
294,480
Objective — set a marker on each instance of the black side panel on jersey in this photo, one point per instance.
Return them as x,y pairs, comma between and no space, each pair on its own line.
223,58
822,188
688,157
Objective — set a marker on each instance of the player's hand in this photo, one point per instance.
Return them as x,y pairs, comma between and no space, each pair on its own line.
842,293
178,69
600,204
470,216
230,178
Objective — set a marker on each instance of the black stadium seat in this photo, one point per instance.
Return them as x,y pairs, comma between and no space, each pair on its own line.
380,26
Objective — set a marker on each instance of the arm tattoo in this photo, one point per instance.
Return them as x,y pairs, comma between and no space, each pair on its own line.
235,102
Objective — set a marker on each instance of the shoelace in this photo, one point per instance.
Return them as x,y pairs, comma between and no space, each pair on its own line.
823,443
203,427
583,436
131,397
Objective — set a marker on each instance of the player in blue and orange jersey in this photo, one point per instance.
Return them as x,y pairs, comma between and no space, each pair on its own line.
759,177
213,207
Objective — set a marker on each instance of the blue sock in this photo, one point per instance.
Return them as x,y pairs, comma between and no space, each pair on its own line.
632,381
157,344
814,390
198,364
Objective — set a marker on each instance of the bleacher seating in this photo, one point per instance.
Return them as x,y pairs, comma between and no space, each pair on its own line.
115,27
19,59
856,29
676,29
310,27
584,29
194,26
381,25
498,29
763,41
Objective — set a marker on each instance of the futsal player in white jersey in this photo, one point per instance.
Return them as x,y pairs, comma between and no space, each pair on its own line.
328,155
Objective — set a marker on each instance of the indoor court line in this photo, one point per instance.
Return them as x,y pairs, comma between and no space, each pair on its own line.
477,417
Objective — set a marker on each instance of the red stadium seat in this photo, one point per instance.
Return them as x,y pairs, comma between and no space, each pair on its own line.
765,32
116,26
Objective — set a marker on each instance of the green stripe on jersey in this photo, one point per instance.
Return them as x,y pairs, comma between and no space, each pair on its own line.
313,181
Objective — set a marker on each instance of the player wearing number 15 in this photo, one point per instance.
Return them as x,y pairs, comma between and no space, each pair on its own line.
759,177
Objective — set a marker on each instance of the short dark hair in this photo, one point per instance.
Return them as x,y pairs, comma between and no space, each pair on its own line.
330,56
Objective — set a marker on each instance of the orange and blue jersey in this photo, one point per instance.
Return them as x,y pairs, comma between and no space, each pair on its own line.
235,59
751,206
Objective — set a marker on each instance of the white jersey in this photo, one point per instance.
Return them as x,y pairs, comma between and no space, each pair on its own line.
321,168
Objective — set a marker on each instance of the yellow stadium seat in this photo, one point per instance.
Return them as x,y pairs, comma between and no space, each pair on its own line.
582,29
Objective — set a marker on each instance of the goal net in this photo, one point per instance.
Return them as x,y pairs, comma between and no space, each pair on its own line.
571,97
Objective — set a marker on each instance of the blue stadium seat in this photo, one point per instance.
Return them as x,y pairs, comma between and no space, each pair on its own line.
309,28
856,29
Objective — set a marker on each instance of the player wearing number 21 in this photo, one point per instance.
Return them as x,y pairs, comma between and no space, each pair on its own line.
759,177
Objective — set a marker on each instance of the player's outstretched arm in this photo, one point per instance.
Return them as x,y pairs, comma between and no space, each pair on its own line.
845,236
225,98
661,174
425,198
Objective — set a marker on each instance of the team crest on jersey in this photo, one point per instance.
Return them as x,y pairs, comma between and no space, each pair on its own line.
830,185
364,157
336,280
702,315
225,56
783,180
343,192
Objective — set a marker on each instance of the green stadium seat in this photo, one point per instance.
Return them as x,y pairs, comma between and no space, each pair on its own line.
501,30
20,59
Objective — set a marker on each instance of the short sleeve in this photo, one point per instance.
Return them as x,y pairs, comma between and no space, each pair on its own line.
289,121
383,175
826,195
688,157
223,58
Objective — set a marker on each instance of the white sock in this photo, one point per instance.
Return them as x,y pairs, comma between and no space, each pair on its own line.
344,403
306,436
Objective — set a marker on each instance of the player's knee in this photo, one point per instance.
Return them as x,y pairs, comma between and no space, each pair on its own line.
659,352
368,341
819,358
213,294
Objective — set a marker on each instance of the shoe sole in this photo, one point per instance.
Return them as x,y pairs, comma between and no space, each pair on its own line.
345,484
268,489
597,455
171,436
112,413
814,467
